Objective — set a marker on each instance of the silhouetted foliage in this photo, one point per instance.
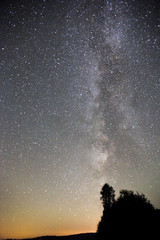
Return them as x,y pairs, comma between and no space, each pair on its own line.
130,216
107,196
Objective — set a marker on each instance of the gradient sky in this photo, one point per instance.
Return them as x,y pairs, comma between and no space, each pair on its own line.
79,106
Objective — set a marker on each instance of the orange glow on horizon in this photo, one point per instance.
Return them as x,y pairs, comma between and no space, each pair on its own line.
29,229
23,233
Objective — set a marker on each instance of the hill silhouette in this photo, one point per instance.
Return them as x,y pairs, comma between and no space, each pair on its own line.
81,236
131,216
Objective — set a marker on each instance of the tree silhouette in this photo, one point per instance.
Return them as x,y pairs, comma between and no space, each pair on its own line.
130,216
107,196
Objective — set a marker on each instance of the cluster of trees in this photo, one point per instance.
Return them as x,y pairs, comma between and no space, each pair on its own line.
130,216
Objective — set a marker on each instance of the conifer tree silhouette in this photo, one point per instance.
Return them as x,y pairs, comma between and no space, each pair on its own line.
131,216
107,196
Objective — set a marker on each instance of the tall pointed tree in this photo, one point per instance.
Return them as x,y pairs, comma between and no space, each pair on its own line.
107,196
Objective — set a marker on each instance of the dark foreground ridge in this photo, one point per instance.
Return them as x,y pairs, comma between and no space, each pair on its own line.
81,236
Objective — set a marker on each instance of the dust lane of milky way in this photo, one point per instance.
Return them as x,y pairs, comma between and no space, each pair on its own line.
79,106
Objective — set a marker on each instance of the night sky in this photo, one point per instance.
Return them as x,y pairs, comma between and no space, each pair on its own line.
79,106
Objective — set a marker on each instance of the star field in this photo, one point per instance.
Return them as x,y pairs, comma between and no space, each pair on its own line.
79,106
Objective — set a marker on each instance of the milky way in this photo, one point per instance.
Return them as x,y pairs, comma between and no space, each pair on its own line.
79,106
